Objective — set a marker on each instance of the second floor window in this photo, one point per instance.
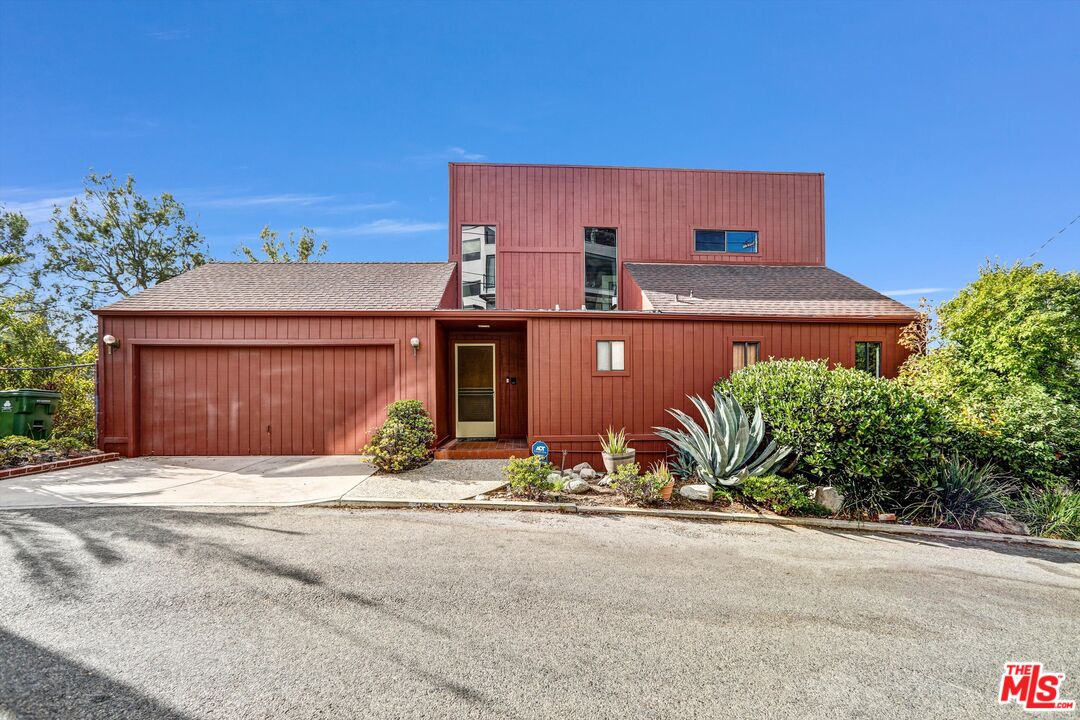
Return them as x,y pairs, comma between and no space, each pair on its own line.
601,269
732,241
868,357
744,354
478,267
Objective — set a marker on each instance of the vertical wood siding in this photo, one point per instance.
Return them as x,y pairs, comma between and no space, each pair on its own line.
667,360
541,213
182,385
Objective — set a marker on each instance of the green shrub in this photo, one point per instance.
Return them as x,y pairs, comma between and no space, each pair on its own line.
20,450
780,495
528,477
404,440
1054,512
66,446
862,434
639,489
958,492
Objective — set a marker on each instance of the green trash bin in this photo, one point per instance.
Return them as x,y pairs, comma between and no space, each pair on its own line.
28,412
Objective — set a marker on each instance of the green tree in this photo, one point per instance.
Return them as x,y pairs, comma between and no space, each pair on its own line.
14,248
113,242
296,249
1003,357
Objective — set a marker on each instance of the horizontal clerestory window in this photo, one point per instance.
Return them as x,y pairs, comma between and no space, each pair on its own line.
732,241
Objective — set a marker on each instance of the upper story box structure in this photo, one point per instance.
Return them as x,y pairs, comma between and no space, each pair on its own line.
544,236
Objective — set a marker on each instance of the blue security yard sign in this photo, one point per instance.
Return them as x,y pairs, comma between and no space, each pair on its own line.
540,449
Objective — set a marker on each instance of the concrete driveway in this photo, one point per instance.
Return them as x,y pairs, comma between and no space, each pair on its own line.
312,612
258,480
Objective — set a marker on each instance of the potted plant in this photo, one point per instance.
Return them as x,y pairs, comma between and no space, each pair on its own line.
616,450
662,473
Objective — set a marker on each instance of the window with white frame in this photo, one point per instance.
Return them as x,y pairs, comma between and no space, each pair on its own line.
610,355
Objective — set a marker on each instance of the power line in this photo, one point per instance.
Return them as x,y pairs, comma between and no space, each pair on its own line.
1067,226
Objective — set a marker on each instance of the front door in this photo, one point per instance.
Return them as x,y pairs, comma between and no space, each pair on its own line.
474,384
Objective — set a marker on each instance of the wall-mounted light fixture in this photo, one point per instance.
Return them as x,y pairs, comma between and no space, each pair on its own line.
483,326
415,342
110,342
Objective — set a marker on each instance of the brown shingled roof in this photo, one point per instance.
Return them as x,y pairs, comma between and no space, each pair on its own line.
759,290
315,286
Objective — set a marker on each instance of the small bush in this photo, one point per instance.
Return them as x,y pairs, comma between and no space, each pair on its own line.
18,450
404,440
66,446
780,495
528,477
958,492
1053,513
639,489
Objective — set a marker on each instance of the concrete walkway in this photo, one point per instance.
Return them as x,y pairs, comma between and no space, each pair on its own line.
251,481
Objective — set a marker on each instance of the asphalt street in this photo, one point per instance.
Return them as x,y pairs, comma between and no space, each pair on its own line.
322,612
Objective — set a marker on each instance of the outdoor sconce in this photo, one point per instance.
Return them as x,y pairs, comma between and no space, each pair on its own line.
110,342
415,342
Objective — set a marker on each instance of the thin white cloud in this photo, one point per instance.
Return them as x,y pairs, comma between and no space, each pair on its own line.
450,154
382,227
464,155
281,199
914,291
37,210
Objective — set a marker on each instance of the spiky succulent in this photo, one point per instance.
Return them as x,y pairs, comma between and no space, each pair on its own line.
729,448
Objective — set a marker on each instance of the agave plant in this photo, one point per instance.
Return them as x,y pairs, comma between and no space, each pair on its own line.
729,448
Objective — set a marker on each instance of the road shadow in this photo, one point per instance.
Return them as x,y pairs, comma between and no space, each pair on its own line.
36,682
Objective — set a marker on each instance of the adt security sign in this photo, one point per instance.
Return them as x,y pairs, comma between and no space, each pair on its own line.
540,449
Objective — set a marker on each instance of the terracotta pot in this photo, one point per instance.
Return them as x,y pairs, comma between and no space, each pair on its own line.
613,461
665,492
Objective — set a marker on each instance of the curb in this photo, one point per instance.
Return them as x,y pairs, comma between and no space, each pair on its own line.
825,523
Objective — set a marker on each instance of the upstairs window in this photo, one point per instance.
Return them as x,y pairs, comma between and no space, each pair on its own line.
745,354
610,355
478,267
601,269
732,241
868,357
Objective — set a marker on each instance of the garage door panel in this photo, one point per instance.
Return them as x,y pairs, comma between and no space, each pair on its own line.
262,400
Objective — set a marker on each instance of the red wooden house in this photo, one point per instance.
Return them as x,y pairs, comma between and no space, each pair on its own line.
574,298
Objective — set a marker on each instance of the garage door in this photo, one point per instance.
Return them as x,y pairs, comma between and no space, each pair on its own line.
262,400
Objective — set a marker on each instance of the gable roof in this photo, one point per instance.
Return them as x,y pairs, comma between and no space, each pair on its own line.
313,286
759,290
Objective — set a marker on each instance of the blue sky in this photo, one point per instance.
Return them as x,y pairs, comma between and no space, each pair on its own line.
948,132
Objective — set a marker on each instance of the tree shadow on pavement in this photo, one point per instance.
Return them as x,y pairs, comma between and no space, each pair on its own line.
38,683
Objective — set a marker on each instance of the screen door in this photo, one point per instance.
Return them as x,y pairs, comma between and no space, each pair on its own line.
474,375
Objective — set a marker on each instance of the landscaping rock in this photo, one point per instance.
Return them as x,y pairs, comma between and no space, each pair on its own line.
587,473
1000,523
555,477
886,517
704,493
603,480
576,486
581,466
829,497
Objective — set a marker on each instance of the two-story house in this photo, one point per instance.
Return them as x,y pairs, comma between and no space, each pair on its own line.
574,298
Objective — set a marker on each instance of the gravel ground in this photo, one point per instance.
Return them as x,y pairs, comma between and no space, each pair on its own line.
321,612
438,480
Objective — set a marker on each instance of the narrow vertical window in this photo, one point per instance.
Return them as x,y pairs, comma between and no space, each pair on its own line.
610,355
868,357
745,354
601,269
478,267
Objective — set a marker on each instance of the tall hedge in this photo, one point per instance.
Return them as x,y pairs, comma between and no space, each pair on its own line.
862,434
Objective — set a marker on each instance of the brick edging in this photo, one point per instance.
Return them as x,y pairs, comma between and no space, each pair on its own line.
57,465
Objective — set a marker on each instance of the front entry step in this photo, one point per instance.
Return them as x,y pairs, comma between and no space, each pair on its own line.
482,449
